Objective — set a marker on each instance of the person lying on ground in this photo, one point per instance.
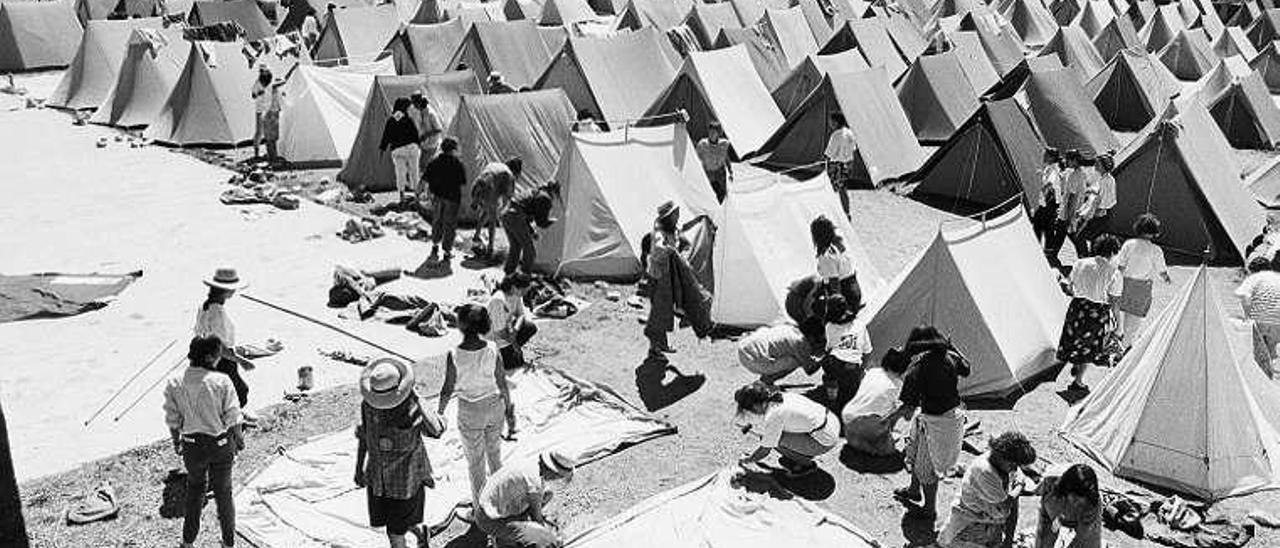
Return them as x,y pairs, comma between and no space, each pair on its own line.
203,415
773,352
932,385
985,511
364,289
798,428
1070,500
868,418
391,458
511,504
474,372
512,325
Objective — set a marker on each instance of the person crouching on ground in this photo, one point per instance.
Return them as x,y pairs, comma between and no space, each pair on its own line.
445,178
512,325
511,504
397,471
775,351
985,511
798,428
400,136
932,385
204,422
212,320
868,418
1095,287
474,372
1070,500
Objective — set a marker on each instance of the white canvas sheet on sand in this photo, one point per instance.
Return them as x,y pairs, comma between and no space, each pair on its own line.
307,498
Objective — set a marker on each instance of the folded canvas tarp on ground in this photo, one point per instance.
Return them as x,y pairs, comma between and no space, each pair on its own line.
721,85
993,157
513,48
614,78
306,499
371,168
152,63
245,13
322,116
94,70
37,35
728,508
208,104
1182,170
755,257
426,49
611,184
887,148
356,35
987,285
53,295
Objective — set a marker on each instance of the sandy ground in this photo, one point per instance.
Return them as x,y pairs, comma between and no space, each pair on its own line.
173,213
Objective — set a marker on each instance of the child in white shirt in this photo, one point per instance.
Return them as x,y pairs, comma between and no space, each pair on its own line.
848,343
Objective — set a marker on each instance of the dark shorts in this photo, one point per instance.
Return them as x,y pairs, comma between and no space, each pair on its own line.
398,515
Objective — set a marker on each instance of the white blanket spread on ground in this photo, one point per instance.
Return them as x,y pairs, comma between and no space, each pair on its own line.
307,498
728,508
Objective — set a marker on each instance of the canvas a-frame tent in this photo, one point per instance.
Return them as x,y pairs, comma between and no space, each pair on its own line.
1188,56
1118,35
208,105
706,21
1182,170
533,125
988,286
322,117
371,168
887,148
1075,51
721,85
995,156
35,35
936,96
871,37
756,257
1132,89
614,78
767,58
808,75
152,63
611,183
1065,115
356,35
245,13
1267,64
513,48
1239,102
1195,364
102,50
791,33
426,49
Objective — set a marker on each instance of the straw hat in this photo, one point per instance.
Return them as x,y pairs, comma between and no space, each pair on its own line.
386,383
225,278
558,462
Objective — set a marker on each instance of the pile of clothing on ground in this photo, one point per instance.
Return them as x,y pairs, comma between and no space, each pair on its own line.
363,289
1172,521
260,187
362,229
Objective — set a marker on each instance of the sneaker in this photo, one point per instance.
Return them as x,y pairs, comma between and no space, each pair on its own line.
1078,387
906,496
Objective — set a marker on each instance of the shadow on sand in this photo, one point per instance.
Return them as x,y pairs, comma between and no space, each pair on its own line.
657,391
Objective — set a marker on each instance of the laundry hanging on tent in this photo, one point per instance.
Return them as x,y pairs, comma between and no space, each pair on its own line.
53,295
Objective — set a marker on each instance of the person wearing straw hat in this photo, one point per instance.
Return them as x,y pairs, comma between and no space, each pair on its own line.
204,421
656,250
212,320
713,152
391,458
510,509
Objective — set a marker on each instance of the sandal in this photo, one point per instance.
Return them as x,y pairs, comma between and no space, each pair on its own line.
906,496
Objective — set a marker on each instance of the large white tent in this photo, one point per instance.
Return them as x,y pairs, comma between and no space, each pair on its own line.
762,246
1188,408
988,286
323,109
612,184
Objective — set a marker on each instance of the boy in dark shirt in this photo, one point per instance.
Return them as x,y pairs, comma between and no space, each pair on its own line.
445,178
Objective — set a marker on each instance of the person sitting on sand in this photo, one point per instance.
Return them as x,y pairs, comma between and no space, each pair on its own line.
985,511
512,501
1070,500
798,428
868,418
204,422
773,352
512,325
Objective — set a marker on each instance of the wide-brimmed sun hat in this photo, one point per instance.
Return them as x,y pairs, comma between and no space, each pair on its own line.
386,383
558,462
226,278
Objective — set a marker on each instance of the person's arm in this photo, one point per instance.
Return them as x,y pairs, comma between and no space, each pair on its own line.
361,451
1088,531
450,380
232,415
757,455
173,419
534,500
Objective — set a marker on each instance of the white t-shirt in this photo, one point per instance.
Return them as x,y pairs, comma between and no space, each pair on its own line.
842,147
1096,279
877,396
834,264
212,320
1106,191
1141,260
475,368
506,492
798,415
849,342
504,313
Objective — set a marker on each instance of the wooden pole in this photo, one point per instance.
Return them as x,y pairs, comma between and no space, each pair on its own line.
13,532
